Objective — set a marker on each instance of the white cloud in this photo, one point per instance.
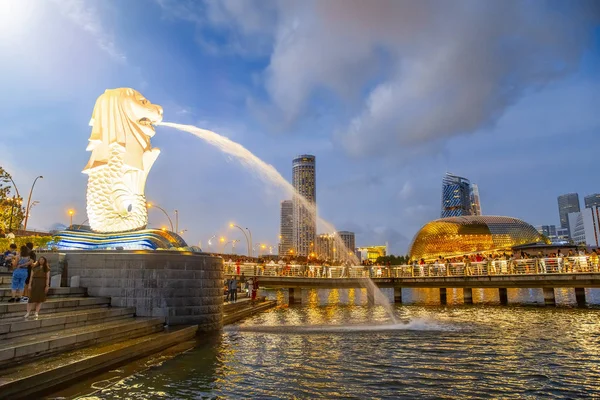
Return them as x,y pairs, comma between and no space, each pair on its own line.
424,71
84,15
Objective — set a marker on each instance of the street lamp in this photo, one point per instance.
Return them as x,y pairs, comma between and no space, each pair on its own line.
29,202
248,241
176,220
71,213
233,242
150,205
222,241
210,241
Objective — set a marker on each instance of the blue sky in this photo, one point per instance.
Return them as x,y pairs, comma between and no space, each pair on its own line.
389,95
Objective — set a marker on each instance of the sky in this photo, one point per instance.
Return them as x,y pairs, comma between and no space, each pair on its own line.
389,95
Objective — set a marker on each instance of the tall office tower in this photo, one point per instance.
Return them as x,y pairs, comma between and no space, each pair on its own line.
286,227
349,241
475,202
324,247
547,230
592,200
456,196
567,203
305,218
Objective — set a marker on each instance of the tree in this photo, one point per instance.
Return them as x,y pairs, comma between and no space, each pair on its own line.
11,206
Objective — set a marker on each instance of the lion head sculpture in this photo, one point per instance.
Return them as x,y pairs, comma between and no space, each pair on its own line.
120,160
125,117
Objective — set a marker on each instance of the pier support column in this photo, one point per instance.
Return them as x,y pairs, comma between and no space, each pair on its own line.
549,298
370,295
291,296
443,296
580,296
503,295
468,295
397,295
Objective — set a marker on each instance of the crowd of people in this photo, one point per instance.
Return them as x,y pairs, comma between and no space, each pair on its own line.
247,286
472,264
30,277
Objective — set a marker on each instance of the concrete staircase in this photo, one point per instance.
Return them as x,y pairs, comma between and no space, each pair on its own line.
74,336
243,308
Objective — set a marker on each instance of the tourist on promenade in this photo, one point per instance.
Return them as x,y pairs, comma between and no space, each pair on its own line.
594,259
11,236
33,258
254,288
250,286
39,285
233,289
9,255
20,264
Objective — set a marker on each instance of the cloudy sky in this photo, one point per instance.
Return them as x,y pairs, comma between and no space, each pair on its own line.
389,95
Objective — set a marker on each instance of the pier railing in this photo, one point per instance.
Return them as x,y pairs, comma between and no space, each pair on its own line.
561,265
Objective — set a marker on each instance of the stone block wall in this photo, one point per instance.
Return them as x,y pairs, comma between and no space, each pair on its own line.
182,288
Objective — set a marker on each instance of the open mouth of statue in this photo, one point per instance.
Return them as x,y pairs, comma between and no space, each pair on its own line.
145,121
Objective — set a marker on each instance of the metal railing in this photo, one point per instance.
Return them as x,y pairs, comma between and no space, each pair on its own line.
561,265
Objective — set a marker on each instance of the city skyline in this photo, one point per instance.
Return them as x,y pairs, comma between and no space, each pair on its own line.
384,131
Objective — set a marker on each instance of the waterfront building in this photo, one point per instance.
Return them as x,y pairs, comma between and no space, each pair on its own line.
335,246
372,253
562,233
456,196
349,240
304,218
567,203
458,236
324,247
475,202
585,226
592,200
286,227
547,230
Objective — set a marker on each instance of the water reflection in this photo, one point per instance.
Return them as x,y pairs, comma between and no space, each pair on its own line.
476,351
431,296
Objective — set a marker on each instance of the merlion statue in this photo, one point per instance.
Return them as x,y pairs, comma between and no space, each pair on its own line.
121,160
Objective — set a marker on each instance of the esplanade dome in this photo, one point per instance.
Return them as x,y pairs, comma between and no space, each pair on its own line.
457,236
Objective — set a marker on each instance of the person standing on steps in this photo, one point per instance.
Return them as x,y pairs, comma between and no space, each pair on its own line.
20,264
39,284
33,258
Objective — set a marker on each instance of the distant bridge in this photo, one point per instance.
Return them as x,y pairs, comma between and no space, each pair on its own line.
552,273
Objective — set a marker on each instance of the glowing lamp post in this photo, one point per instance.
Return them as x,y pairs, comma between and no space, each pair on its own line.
248,241
28,208
71,213
150,205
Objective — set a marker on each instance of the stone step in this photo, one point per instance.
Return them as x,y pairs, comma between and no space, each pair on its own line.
52,292
54,304
247,311
16,327
35,378
5,279
25,348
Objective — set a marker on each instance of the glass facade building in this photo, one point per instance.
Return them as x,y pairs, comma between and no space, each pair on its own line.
567,203
458,236
592,200
304,218
286,227
456,196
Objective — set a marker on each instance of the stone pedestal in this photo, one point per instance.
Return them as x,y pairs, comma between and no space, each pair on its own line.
468,295
182,287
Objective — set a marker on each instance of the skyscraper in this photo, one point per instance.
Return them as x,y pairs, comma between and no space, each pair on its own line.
567,203
349,241
304,218
456,196
286,227
592,200
475,202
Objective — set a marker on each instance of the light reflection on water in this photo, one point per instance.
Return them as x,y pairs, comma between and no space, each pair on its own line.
443,352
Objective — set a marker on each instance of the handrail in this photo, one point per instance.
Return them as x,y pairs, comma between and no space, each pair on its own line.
531,266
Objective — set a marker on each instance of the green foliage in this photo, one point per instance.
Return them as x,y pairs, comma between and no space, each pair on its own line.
38,241
394,260
12,212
